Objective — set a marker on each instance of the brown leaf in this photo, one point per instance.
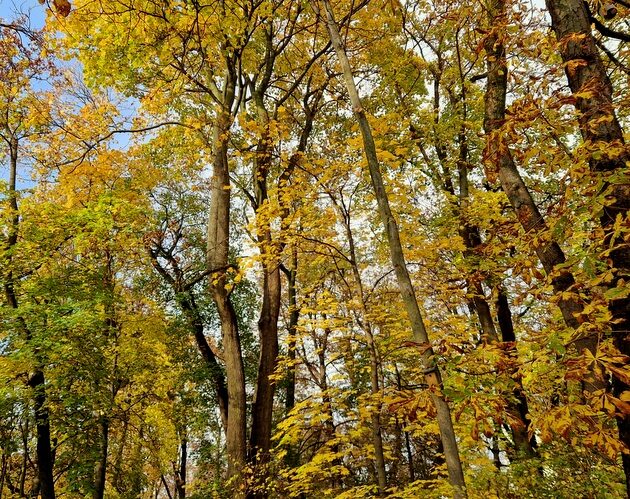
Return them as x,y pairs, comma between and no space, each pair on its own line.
62,7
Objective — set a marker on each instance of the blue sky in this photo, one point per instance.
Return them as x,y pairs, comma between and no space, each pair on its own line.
9,11
10,8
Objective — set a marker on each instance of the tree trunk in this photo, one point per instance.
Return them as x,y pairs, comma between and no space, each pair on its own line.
602,133
432,373
100,469
37,380
294,316
498,154
470,234
180,474
262,408
44,448
377,438
217,255
292,457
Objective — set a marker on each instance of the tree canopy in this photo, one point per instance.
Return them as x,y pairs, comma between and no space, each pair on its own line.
275,249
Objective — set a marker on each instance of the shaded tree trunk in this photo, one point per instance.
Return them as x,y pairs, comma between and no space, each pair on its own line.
292,458
498,155
262,408
100,469
180,474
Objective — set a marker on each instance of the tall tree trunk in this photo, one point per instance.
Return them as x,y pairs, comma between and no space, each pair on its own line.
117,478
524,445
601,131
431,371
292,457
294,316
262,408
498,154
310,108
43,446
217,256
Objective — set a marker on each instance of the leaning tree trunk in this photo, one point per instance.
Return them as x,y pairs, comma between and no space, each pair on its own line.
431,371
602,133
499,156
524,446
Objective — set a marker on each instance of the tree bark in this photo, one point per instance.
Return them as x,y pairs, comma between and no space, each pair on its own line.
262,408
470,234
180,474
603,137
43,446
294,316
217,256
100,469
292,458
432,373
498,154
37,380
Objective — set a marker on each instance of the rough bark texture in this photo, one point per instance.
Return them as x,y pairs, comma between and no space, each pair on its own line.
603,135
262,410
432,374
498,154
